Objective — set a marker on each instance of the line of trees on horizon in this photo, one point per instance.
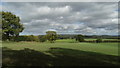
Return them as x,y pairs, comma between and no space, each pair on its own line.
51,39
11,27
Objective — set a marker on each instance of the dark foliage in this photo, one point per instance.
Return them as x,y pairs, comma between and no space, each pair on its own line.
11,26
98,40
27,38
42,38
51,36
80,38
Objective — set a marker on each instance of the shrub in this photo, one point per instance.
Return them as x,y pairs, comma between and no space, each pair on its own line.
36,38
99,40
27,38
42,38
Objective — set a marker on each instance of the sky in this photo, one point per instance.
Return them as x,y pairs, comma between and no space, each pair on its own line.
88,18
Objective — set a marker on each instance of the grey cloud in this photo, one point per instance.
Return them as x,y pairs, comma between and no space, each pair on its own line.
71,17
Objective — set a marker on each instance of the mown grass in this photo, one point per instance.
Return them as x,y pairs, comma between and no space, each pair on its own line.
105,48
102,39
61,53
56,57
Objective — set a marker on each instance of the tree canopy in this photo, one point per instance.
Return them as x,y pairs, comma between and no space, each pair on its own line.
80,38
11,25
51,36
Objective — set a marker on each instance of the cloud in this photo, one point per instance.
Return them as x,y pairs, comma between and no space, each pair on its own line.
66,17
60,0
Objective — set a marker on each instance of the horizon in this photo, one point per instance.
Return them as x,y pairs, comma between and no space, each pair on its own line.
71,34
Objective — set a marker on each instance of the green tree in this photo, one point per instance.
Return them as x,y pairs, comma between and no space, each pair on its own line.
80,38
0,25
51,36
98,40
11,26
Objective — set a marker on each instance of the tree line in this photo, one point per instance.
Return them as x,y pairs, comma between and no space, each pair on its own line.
12,27
52,39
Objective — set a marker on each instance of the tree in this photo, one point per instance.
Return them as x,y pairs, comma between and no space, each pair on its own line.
51,36
11,26
80,38
98,40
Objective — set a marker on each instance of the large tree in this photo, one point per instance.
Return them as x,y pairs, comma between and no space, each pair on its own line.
11,26
51,36
0,26
80,38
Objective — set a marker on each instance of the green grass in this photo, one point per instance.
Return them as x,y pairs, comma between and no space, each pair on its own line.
56,57
61,53
66,41
105,48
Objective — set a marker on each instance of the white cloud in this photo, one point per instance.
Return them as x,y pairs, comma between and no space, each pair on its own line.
72,17
48,10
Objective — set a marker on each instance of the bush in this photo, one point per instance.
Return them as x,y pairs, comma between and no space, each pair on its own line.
27,38
99,40
42,38
36,38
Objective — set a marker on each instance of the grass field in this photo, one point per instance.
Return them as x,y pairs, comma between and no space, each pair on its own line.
102,39
73,40
62,53
105,48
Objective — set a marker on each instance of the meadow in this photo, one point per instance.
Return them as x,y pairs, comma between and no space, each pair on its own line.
66,52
